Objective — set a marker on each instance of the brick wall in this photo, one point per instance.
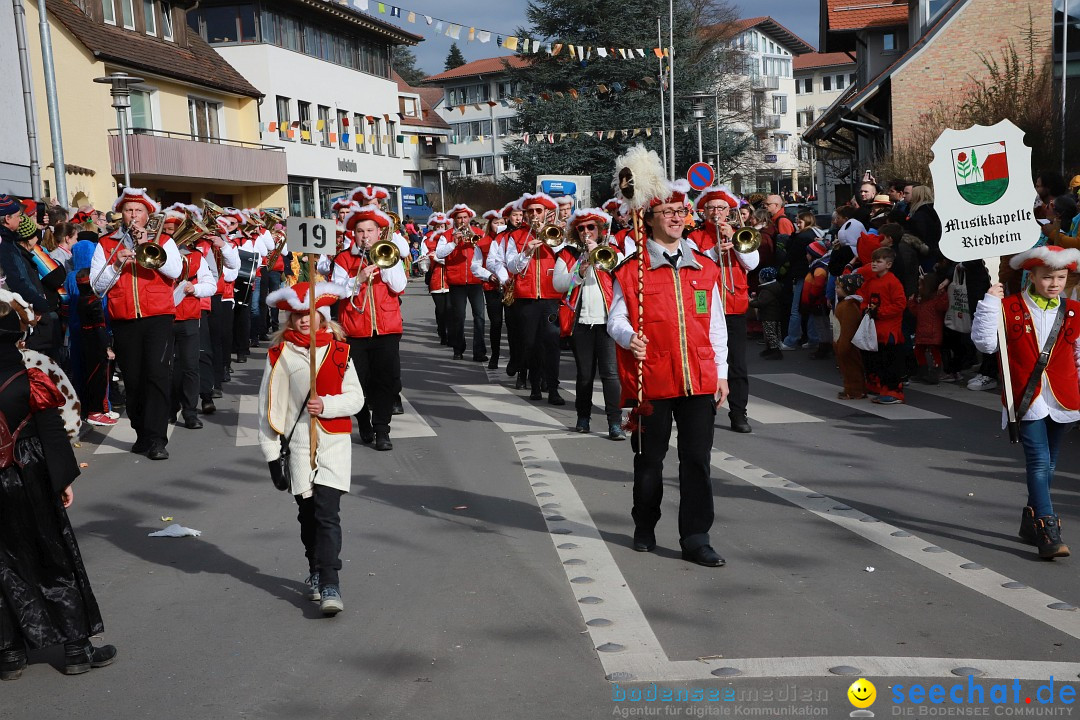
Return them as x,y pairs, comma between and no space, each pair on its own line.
945,67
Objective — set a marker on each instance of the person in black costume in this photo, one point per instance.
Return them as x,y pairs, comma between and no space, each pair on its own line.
45,595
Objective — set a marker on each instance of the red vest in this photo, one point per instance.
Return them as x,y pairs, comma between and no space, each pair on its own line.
139,292
459,261
190,308
438,272
1024,351
483,246
680,360
735,291
328,380
379,311
535,283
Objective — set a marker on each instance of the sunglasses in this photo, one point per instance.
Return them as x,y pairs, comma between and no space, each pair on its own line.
588,227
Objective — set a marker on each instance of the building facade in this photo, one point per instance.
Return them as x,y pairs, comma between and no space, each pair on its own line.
193,121
820,78
477,106
330,103
426,134
14,154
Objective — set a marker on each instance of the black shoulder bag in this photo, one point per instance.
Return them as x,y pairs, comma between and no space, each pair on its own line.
1040,364
279,469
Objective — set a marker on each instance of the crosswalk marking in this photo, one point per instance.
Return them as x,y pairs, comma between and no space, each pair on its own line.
120,438
247,421
827,391
770,413
410,425
506,409
960,393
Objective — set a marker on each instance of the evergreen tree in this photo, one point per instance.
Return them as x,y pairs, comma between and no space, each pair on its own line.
702,64
454,58
404,62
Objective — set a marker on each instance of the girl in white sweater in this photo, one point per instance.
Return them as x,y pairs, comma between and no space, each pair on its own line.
286,410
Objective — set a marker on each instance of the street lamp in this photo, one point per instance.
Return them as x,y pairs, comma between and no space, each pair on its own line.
698,100
442,197
121,94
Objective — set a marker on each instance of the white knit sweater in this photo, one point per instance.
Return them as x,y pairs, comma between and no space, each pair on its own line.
291,382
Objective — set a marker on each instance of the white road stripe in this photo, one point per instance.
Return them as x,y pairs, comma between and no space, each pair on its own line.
247,421
121,437
959,393
828,391
410,425
505,409
770,413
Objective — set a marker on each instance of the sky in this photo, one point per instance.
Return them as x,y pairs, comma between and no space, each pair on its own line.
504,16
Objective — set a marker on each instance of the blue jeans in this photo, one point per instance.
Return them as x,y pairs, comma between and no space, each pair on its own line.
794,328
1042,441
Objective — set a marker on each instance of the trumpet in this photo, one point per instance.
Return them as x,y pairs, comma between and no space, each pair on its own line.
466,234
603,257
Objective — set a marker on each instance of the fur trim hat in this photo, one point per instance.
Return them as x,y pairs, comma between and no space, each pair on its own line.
542,199
510,207
718,192
491,215
676,193
369,194
1051,256
341,203
136,195
461,209
436,218
594,214
295,298
177,212
564,200
367,212
614,206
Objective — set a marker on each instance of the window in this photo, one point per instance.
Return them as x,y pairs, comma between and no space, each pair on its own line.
505,126
108,11
358,128
808,85
375,128
304,117
780,143
933,7
409,107
229,24
148,17
204,115
140,116
826,83
166,20
343,130
127,13
840,82
283,117
324,120
888,41
851,79
779,104
505,165
391,137
735,102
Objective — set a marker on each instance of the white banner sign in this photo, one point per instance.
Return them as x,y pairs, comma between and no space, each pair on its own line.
983,192
311,235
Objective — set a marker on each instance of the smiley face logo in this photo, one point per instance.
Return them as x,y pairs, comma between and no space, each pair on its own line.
862,693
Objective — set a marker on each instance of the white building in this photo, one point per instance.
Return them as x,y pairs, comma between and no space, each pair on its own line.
426,135
476,104
15,155
772,165
325,70
820,78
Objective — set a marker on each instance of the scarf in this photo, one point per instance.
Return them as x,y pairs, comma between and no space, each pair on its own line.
322,338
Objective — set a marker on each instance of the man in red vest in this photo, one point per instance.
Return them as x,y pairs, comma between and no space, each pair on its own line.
713,238
495,263
455,248
223,260
493,282
371,317
435,273
589,291
532,262
683,345
141,308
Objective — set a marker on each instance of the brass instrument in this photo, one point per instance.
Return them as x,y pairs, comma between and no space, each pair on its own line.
508,292
189,231
604,257
553,235
272,258
746,239
211,212
466,235
271,218
148,255
384,254
252,224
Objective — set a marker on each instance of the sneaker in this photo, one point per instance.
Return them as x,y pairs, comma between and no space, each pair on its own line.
809,346
100,419
312,583
1048,538
952,377
982,382
331,603
887,400
113,415
785,346
615,432
582,425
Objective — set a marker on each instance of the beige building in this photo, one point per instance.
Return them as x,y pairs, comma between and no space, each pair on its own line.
820,78
194,121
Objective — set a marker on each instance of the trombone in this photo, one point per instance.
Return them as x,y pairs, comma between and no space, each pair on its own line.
745,239
148,255
384,254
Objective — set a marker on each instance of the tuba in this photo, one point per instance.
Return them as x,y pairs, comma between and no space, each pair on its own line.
211,212
189,231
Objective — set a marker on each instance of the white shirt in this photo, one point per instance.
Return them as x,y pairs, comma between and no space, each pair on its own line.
103,274
205,283
518,262
393,277
496,262
984,334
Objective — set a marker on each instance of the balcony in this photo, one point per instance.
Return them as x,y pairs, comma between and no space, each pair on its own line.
763,83
766,122
166,155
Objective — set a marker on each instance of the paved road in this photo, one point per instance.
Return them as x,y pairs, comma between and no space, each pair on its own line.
488,570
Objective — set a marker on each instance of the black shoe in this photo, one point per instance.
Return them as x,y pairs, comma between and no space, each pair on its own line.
216,393
82,656
264,337
511,369
554,398
771,354
208,407
536,394
493,364
520,383
254,344
704,555
140,447
193,423
367,437
615,432
158,452
382,442
1048,537
1027,526
582,425
241,358
644,542
398,409
12,663
459,356
480,358
740,424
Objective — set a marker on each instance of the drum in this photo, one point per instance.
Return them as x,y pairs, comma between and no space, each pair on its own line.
245,279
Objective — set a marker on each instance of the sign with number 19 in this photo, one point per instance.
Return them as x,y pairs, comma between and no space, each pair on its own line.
312,235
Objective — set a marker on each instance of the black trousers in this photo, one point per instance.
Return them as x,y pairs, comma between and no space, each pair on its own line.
694,418
212,364
241,330
442,315
738,378
271,282
493,300
206,355
378,367
538,325
474,295
595,350
320,531
185,375
513,339
144,352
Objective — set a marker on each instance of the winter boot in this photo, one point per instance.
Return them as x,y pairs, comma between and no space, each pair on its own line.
12,662
1048,537
81,656
1027,526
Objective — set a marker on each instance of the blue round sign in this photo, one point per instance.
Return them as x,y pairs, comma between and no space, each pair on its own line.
700,175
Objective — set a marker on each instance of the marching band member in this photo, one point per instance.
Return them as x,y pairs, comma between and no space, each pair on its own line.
435,271
684,348
716,205
566,209
223,260
380,198
264,245
495,262
456,248
141,308
245,285
532,262
273,276
371,317
493,282
621,231
590,291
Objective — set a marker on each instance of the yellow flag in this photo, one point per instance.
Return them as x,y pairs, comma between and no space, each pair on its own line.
510,43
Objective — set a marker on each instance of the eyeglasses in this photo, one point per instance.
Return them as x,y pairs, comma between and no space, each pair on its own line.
588,227
670,213
711,208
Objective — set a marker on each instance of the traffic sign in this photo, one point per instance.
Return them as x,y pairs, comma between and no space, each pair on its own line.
312,235
700,175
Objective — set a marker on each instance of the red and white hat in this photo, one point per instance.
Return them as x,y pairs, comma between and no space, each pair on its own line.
676,193
341,203
367,212
564,200
136,195
717,192
177,212
436,218
614,206
461,209
369,194
586,214
1051,256
492,215
542,199
295,298
510,207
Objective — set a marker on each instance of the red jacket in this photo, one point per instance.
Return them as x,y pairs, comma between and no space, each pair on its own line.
535,283
737,302
888,294
930,319
1024,351
459,261
190,308
139,292
374,310
438,271
680,359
